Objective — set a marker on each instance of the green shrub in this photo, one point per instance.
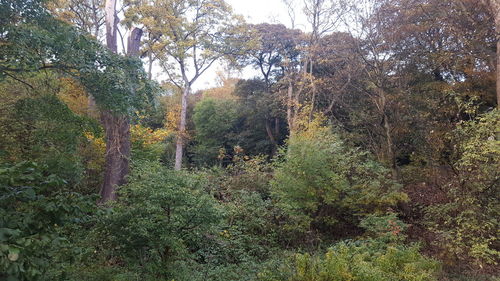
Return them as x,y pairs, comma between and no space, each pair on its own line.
162,216
323,183
43,129
250,173
35,210
386,228
250,232
467,223
215,122
367,260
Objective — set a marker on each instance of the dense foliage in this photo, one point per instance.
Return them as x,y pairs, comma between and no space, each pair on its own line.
38,213
369,151
325,184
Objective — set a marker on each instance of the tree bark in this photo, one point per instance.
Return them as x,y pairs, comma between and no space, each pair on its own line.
116,126
271,136
289,105
111,25
134,42
495,8
390,152
269,132
117,131
179,148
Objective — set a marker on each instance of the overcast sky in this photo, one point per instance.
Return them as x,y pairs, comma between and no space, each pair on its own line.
259,11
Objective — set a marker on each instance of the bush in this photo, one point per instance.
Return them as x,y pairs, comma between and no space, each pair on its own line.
162,217
148,144
215,122
324,184
35,210
366,261
381,257
467,223
49,133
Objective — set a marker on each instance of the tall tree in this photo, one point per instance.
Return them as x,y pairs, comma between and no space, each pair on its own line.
35,41
190,36
116,125
86,15
275,55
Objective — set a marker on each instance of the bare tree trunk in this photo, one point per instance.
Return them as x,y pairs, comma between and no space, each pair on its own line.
91,107
182,129
271,136
269,131
113,163
111,25
95,19
313,89
134,42
150,65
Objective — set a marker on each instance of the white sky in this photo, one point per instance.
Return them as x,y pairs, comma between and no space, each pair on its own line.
259,11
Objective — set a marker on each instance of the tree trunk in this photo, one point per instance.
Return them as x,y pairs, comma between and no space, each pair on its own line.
182,129
92,107
134,42
270,132
495,8
117,131
390,152
116,126
289,103
111,25
271,136
313,89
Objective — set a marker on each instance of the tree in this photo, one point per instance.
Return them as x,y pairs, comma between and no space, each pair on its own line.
275,46
215,121
443,51
276,55
494,6
35,41
116,126
263,126
467,220
190,36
